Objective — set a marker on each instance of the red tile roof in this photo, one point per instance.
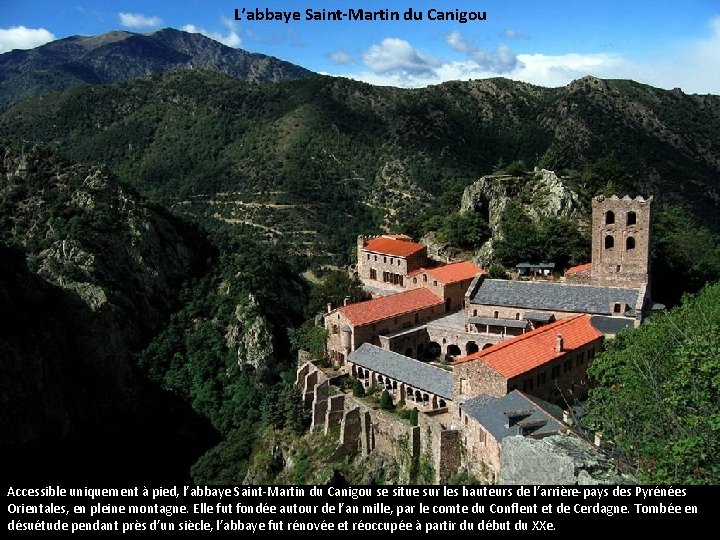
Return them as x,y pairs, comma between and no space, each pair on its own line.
392,246
454,272
524,353
389,306
578,268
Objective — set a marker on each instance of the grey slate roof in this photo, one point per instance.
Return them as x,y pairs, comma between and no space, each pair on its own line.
538,316
493,414
610,325
510,323
542,266
554,296
408,370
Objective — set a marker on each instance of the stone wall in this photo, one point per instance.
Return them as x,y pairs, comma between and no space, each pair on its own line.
481,456
621,221
440,445
473,378
362,430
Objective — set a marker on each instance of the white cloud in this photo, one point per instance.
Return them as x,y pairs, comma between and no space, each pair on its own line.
500,61
509,33
20,37
341,58
138,20
397,57
693,65
231,38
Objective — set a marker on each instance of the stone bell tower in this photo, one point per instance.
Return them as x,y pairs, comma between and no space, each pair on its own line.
621,241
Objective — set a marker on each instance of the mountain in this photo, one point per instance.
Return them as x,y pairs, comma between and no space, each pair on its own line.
89,272
119,56
311,163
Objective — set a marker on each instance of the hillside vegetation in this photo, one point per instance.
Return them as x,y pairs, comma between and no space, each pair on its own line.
313,162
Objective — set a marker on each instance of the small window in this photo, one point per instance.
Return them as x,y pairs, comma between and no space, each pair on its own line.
373,273
368,256
616,308
424,278
385,259
375,258
517,316
434,282
630,243
609,217
496,314
474,312
414,280
335,329
609,242
398,262
631,218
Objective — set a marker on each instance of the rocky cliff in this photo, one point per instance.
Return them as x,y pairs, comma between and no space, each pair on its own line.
89,272
539,194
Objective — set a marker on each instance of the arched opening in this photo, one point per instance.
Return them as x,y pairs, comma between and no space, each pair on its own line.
474,312
471,347
630,243
609,242
418,395
433,351
631,218
486,346
425,399
442,403
453,350
409,352
609,217
409,392
380,379
360,373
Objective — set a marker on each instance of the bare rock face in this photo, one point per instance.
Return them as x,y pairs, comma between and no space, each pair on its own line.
540,195
251,337
557,460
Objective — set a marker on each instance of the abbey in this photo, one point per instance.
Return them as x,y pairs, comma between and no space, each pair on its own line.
518,350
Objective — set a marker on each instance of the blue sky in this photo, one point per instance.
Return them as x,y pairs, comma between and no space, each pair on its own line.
666,43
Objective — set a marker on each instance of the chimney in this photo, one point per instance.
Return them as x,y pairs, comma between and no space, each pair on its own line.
559,343
346,301
329,307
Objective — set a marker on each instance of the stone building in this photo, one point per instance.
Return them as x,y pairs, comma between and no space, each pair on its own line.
549,362
486,421
364,322
449,281
410,381
384,262
621,241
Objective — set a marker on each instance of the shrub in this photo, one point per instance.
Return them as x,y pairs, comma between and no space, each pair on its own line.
386,403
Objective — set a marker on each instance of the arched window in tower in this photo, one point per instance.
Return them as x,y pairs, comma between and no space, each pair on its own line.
609,242
609,217
630,244
631,218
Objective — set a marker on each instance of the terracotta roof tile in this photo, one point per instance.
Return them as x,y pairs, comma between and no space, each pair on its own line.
533,349
392,246
578,268
390,306
454,272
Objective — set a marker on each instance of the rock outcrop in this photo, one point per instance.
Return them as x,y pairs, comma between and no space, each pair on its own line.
557,460
540,195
